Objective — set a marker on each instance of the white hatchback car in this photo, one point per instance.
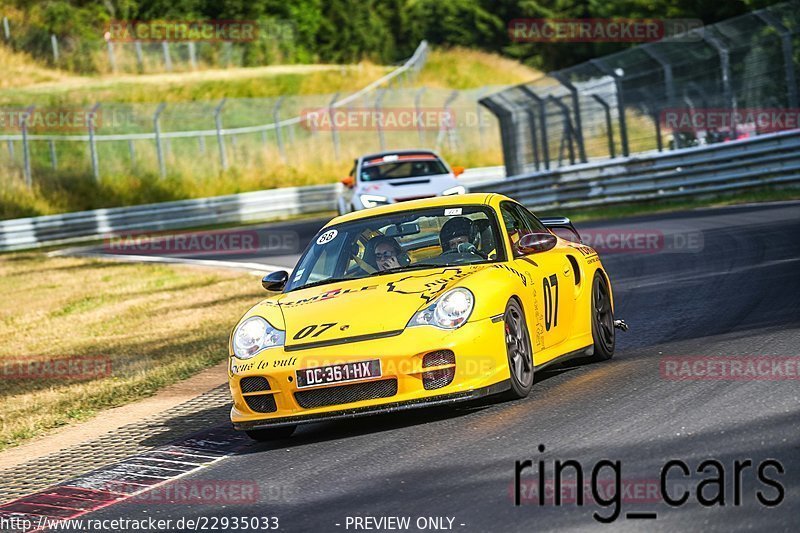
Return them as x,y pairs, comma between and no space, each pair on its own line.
391,177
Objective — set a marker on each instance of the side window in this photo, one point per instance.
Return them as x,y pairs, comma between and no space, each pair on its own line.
531,221
515,225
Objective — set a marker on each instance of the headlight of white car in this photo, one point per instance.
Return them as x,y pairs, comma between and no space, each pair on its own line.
454,190
254,335
373,200
451,311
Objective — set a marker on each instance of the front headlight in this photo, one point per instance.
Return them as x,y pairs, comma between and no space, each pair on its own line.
373,200
451,311
255,334
454,190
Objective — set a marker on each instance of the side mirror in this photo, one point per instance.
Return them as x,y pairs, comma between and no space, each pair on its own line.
534,243
276,281
348,182
457,171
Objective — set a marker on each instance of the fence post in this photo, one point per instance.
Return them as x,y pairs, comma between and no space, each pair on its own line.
137,46
93,143
569,130
479,117
669,81
192,55
223,161
542,123
201,141
162,166
6,29
334,132
132,151
448,128
379,117
276,119
418,112
26,149
111,59
609,126
167,58
53,156
725,65
576,110
10,148
534,137
54,45
654,110
617,75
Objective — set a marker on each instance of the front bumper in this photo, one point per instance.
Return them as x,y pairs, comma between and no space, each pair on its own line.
480,369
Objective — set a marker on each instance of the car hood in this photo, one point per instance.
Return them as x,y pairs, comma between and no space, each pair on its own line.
365,308
400,189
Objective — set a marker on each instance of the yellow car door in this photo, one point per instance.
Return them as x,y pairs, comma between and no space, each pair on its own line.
551,282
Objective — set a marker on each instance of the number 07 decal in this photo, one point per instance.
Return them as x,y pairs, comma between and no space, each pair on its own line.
550,285
308,330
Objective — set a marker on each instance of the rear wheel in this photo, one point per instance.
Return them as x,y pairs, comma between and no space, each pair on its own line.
268,434
602,319
518,348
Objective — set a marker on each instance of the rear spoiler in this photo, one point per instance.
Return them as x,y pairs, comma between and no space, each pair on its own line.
562,223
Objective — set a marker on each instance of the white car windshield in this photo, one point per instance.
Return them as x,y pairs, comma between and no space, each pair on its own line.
401,170
409,240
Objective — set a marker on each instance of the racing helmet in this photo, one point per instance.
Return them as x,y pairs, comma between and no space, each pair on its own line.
457,227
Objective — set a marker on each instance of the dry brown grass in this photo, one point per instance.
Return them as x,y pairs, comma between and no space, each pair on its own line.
463,68
157,324
20,70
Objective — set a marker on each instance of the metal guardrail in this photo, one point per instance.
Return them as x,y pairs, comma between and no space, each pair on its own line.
771,159
27,233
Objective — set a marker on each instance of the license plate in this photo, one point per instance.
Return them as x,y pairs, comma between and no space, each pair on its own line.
325,375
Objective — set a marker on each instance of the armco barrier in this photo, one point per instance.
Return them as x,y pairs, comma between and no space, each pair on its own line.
771,159
26,233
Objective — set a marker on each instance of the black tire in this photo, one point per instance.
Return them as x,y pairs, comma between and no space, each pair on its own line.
603,333
519,351
277,433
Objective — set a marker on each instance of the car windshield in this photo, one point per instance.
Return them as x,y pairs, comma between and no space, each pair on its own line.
409,240
401,169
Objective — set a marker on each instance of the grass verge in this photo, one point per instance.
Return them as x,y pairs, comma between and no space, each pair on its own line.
156,325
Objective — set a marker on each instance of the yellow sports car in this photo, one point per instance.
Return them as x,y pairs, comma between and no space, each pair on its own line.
415,304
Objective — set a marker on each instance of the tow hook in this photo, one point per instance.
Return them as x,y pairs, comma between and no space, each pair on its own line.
620,324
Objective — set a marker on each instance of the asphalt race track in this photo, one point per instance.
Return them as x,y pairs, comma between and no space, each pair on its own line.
720,282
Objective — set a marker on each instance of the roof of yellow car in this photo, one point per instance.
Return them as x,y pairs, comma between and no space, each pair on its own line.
477,198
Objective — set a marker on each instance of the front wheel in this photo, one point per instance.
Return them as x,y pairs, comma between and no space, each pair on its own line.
268,434
603,332
520,353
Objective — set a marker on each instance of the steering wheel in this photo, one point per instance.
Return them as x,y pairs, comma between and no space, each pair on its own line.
465,248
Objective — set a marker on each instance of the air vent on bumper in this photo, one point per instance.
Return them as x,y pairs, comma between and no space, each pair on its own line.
436,379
